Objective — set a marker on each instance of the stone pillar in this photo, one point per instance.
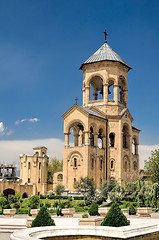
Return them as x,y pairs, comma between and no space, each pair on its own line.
80,138
86,137
96,139
67,139
87,95
136,148
126,97
105,92
103,141
75,139
116,93
84,94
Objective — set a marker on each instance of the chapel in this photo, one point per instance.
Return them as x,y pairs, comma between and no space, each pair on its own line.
104,143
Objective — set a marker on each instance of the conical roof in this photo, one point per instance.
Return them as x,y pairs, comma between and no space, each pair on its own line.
105,53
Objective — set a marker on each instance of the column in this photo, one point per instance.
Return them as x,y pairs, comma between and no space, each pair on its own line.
86,137
76,139
96,139
116,93
103,141
67,139
105,92
87,95
80,137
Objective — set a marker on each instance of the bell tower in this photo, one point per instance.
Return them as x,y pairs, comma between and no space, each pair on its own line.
102,132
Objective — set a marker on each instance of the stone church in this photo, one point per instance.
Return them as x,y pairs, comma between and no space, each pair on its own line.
105,143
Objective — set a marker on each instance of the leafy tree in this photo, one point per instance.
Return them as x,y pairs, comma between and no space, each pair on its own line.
53,166
115,217
117,194
17,197
59,189
152,166
43,218
93,210
155,194
86,187
107,186
3,202
34,202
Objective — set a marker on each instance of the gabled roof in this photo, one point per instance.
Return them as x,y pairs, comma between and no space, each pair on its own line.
105,53
134,128
124,111
82,109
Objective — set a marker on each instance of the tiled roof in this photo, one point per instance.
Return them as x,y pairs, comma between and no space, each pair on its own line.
105,53
91,112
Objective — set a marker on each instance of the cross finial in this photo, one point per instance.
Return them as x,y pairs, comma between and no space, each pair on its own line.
76,99
105,36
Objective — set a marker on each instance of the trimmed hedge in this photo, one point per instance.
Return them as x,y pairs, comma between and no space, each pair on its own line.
43,218
93,210
132,210
115,217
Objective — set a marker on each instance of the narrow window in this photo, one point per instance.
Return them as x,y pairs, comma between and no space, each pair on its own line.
29,165
74,180
75,162
39,180
112,164
28,180
111,139
101,164
39,165
92,163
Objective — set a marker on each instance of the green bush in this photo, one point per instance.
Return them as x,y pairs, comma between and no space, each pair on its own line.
47,205
115,217
59,212
55,204
93,210
1,212
52,211
34,202
79,209
43,218
23,211
132,210
85,215
41,204
42,196
79,198
7,206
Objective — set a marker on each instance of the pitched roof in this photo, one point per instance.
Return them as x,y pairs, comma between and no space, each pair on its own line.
91,112
105,53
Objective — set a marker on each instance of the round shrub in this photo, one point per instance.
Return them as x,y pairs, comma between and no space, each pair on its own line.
41,204
132,210
115,217
43,218
93,210
85,215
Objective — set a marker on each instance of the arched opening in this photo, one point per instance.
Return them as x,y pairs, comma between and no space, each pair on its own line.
76,135
96,88
75,162
111,139
121,91
112,165
134,146
111,90
25,195
60,177
29,165
8,192
100,138
135,166
92,162
91,137
126,164
126,137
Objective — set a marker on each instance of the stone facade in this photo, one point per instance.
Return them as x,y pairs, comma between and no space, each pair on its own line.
105,144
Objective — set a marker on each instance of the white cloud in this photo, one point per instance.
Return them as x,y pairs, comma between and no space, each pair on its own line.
32,120
145,152
4,130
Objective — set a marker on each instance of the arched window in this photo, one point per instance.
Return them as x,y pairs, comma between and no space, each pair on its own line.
126,137
96,88
91,137
37,154
39,165
92,163
112,164
111,139
100,138
126,166
121,90
75,163
101,163
134,146
25,195
111,90
76,135
60,177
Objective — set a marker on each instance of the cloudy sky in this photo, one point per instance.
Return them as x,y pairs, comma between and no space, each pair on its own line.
42,45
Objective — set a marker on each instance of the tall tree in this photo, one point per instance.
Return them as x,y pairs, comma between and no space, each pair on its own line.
53,166
152,166
86,187
59,189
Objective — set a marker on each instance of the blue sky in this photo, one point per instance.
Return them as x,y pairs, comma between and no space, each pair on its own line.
42,45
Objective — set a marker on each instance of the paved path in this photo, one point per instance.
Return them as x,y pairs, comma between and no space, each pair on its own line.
10,224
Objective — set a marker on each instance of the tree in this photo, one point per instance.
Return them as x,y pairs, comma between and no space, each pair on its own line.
107,186
34,202
86,187
43,218
53,166
117,194
155,194
115,217
59,189
152,166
